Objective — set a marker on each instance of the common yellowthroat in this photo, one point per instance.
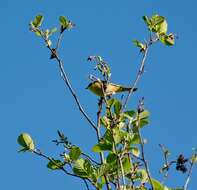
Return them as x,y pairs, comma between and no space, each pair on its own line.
98,87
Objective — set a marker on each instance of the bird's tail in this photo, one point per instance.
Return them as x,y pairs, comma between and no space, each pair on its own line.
122,89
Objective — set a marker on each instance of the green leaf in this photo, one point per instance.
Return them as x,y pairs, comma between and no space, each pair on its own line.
194,158
90,170
46,33
162,28
53,30
105,121
55,164
67,158
117,107
144,122
111,102
102,170
79,168
135,139
102,146
167,39
37,21
142,176
64,21
135,151
143,117
117,135
84,169
126,165
26,142
140,45
74,153
158,186
156,21
130,113
146,20
156,24
39,32
108,137
144,114
111,158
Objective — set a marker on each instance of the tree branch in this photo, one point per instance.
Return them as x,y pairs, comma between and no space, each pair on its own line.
143,153
67,81
140,71
39,153
100,105
188,176
68,84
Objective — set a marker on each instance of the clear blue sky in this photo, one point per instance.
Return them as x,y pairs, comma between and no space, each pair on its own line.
33,98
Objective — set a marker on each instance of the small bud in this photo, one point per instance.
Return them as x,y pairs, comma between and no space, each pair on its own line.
140,108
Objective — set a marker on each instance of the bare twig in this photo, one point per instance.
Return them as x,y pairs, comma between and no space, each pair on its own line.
143,153
67,81
188,176
68,84
100,105
140,71
59,40
122,172
166,163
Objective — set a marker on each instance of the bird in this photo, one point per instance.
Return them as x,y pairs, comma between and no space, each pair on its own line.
99,87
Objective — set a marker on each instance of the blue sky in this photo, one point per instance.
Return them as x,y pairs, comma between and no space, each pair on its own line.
33,98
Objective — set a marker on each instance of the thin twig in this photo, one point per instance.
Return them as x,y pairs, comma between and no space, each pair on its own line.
188,176
90,159
119,162
59,40
86,183
68,84
143,153
100,105
166,163
140,72
39,153
141,69
122,172
112,126
67,81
